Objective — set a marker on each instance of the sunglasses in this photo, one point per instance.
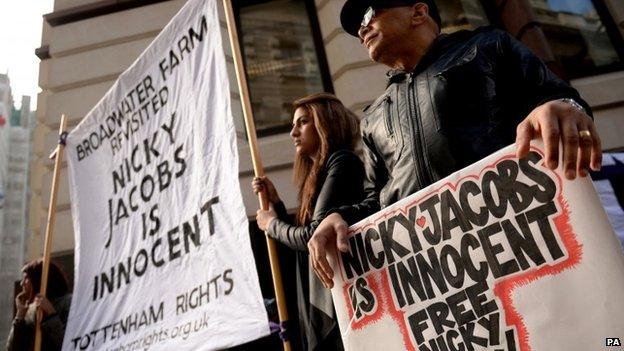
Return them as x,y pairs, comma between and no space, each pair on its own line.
369,14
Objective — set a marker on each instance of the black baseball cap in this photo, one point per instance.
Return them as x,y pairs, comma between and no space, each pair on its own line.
353,11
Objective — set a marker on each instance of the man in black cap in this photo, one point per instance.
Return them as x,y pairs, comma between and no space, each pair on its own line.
451,100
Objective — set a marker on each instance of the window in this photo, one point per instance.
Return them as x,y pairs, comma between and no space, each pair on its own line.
284,58
579,38
66,262
461,14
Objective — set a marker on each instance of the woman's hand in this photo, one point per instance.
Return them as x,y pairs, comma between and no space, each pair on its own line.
21,302
264,218
264,184
45,305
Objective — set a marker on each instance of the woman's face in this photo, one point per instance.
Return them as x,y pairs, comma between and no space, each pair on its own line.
304,134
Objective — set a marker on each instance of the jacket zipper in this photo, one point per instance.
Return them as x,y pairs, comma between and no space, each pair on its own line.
388,115
420,153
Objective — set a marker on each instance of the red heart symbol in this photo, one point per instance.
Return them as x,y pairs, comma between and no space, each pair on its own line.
421,221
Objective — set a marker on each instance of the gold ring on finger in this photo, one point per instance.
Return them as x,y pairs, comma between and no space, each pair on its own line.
585,134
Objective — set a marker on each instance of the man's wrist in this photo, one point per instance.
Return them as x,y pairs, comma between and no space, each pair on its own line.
343,213
332,211
337,216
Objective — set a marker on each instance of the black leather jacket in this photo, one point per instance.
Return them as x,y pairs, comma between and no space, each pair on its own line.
344,176
342,185
461,103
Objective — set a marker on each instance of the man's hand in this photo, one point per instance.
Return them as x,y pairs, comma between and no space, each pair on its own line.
331,232
557,120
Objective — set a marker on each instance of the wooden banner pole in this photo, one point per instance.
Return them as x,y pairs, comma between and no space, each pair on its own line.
257,163
47,248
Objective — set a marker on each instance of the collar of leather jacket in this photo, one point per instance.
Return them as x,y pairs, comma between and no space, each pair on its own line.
437,48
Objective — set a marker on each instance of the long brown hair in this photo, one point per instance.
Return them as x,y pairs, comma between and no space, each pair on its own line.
337,128
57,282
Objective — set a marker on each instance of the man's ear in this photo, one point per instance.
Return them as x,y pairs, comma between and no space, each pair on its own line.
420,13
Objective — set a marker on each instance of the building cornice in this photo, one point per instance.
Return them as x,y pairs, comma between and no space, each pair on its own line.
94,9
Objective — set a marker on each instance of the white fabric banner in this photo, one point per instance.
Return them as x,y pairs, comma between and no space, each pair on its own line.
163,258
503,255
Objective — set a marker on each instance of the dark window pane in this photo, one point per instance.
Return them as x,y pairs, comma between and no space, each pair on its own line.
461,14
576,35
66,262
281,60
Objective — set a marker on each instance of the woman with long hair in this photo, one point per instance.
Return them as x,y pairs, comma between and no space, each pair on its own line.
328,174
55,308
